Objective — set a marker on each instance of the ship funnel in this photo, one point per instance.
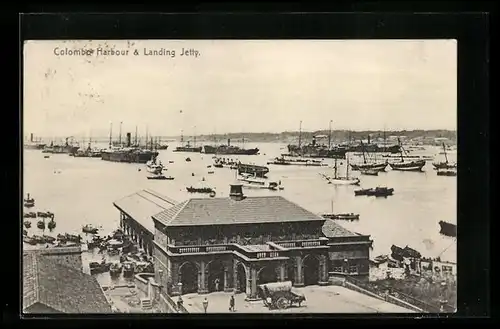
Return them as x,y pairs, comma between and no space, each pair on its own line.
129,139
368,139
31,137
228,142
236,192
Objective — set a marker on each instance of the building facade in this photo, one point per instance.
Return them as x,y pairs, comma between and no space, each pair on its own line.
237,243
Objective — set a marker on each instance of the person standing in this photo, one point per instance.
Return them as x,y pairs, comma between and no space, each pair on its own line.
216,283
231,303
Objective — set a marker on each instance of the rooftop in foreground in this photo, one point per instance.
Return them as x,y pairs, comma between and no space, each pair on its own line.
327,299
142,205
225,211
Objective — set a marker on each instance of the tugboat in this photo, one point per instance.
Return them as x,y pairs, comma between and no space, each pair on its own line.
115,269
89,229
29,202
364,191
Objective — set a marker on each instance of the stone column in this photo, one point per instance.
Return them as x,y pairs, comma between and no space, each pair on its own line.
282,269
299,275
323,271
203,278
227,284
252,294
235,276
176,279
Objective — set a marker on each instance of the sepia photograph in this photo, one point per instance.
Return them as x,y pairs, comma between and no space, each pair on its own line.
239,176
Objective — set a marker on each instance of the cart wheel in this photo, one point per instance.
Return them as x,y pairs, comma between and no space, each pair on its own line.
282,303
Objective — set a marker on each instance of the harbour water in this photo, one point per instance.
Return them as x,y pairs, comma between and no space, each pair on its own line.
81,191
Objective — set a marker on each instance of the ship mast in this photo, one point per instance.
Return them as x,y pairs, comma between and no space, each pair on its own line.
347,168
110,134
194,136
335,169
120,138
135,139
147,136
363,150
445,156
330,135
182,137
300,133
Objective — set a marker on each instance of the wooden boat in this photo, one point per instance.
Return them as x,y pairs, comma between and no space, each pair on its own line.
158,177
40,224
211,172
338,180
128,269
350,216
362,191
115,269
373,167
448,229
218,165
89,229
27,224
29,202
51,225
380,192
446,164
447,172
29,240
188,159
38,239
207,190
296,162
46,156
30,214
48,239
415,165
369,172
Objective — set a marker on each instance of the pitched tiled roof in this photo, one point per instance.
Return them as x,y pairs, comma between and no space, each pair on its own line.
223,211
60,287
332,230
142,205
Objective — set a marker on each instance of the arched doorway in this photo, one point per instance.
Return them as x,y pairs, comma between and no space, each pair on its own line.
241,282
267,274
310,267
188,277
216,276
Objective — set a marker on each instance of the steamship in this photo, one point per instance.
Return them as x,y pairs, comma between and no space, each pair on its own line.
229,149
188,147
33,145
67,148
374,148
128,153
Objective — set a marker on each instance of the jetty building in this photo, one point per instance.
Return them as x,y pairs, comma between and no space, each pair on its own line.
237,243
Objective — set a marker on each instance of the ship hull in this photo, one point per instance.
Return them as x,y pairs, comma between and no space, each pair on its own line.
408,166
316,152
223,150
128,157
374,166
188,149
337,181
254,170
34,146
373,148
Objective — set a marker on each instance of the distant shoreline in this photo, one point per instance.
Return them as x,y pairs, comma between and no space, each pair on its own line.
291,136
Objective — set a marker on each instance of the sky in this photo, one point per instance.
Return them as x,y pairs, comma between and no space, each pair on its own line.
239,86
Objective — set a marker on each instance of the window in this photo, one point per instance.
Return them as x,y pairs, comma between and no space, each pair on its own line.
447,268
336,266
353,269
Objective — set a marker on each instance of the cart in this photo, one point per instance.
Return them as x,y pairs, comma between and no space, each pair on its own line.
280,295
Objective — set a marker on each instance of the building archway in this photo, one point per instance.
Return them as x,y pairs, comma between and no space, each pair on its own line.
310,268
242,279
216,276
188,277
267,274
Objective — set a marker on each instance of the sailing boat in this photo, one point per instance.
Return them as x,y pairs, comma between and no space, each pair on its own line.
446,164
415,165
369,168
337,180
